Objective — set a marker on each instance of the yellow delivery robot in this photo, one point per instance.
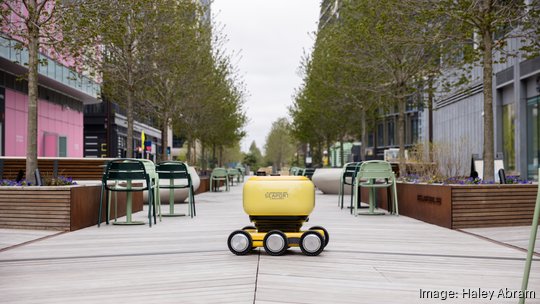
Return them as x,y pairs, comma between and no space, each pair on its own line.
278,206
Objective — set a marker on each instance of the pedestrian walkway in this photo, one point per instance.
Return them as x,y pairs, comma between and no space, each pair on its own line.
370,259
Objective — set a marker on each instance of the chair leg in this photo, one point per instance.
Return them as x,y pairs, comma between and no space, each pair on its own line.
100,205
389,201
190,202
107,206
396,208
355,196
150,205
340,195
115,203
158,199
115,207
352,200
192,193
155,202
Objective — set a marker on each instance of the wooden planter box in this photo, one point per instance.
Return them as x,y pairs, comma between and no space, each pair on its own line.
464,206
65,208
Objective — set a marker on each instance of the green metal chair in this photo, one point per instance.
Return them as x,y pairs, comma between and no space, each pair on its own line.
368,174
348,176
123,173
242,173
233,173
219,175
294,170
308,172
179,178
154,177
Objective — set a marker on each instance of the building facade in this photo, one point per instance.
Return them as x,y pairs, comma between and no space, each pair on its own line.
458,116
62,94
105,133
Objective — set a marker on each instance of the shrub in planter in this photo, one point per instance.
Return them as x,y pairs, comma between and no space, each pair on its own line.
48,181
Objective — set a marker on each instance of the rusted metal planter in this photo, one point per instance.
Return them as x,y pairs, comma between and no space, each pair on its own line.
464,206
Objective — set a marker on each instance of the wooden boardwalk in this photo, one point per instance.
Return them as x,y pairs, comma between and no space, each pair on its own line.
370,259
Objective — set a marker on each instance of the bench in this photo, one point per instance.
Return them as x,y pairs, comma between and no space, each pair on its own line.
76,168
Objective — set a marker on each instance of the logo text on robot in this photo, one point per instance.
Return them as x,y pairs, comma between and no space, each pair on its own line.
276,195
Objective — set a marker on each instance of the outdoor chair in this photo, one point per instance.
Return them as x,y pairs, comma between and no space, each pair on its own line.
308,172
219,175
177,174
347,178
294,171
150,168
242,173
233,173
368,174
124,173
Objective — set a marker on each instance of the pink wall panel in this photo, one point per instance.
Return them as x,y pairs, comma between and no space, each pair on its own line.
19,140
52,118
50,144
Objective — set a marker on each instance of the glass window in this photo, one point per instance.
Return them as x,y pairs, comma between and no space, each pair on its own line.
178,141
391,132
43,66
414,130
59,72
370,140
533,133
5,47
508,132
380,135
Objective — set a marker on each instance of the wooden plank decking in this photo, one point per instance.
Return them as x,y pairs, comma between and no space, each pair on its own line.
370,259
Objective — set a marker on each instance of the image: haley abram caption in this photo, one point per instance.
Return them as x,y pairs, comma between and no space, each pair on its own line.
476,293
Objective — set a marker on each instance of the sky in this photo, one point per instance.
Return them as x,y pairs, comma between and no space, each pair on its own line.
270,38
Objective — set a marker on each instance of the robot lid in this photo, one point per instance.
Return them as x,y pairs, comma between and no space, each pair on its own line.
279,196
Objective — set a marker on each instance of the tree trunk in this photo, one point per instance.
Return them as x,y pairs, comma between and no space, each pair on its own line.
193,161
341,153
164,139
488,105
213,165
327,152
401,134
188,152
430,119
129,114
364,135
32,125
203,158
220,156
